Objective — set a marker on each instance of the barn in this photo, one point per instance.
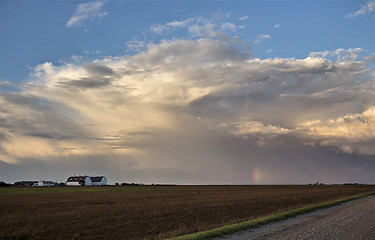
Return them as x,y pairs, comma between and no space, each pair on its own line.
86,181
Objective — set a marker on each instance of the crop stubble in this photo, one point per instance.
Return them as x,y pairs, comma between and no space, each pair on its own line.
157,212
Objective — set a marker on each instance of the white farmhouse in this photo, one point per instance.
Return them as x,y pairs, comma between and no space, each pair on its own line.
86,181
47,183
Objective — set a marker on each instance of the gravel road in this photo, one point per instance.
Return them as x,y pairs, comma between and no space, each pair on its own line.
351,220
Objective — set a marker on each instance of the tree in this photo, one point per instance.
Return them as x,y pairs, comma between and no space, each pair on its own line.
4,184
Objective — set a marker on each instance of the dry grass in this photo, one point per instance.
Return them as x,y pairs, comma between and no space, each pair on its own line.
148,212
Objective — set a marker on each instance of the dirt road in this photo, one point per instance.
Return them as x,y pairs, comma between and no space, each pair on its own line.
351,220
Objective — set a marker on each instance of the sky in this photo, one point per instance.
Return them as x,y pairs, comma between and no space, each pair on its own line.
188,92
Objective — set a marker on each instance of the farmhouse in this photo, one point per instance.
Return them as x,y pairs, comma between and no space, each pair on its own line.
47,183
86,181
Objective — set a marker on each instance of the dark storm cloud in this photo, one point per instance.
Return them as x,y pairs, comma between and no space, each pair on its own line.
88,83
100,76
96,69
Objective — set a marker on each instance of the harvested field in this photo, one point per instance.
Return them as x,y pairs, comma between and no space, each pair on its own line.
147,212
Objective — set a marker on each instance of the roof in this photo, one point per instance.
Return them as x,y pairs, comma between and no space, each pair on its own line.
29,182
82,178
76,178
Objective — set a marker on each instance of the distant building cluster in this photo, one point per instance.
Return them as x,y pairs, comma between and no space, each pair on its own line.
86,181
72,181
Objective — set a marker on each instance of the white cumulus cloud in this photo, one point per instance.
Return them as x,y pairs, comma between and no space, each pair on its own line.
84,12
261,37
365,9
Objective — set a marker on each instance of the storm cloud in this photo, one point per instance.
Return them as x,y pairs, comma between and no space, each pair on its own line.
200,110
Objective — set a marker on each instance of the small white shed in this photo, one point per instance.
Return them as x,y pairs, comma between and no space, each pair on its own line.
47,183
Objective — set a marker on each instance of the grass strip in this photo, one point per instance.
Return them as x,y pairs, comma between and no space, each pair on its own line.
229,229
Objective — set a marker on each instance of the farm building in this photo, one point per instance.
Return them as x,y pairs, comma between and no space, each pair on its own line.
26,183
47,183
86,181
